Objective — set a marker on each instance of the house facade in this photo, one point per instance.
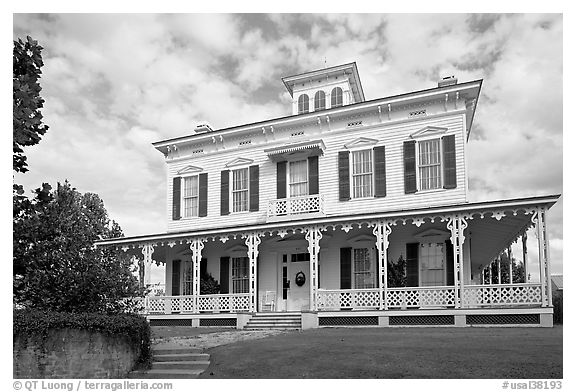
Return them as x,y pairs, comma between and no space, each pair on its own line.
347,212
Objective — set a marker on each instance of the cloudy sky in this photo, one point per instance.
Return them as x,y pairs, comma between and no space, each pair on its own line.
115,83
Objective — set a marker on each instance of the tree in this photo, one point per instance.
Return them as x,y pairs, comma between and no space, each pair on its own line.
397,273
57,267
505,260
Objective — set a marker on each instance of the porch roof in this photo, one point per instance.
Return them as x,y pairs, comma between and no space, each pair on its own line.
466,208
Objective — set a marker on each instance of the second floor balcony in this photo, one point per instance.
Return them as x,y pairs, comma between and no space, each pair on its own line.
292,207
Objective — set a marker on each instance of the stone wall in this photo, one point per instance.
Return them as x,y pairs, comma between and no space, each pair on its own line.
71,353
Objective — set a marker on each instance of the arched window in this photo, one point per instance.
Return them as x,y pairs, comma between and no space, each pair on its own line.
319,101
336,99
303,102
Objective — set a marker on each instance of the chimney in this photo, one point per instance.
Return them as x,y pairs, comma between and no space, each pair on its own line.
447,81
203,127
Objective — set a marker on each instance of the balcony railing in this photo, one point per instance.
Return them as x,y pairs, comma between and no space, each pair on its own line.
296,206
215,303
502,294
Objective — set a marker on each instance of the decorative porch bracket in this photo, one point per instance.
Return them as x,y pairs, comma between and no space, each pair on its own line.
539,219
457,224
382,230
147,251
252,242
313,236
196,246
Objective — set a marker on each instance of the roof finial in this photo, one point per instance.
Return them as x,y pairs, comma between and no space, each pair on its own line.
325,65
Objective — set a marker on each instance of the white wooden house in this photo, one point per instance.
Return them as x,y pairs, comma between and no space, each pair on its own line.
301,215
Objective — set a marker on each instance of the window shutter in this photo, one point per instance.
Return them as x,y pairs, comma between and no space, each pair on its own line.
203,266
344,175
224,192
254,175
379,171
345,268
410,166
449,263
175,277
176,189
449,158
313,188
224,274
203,194
281,180
412,264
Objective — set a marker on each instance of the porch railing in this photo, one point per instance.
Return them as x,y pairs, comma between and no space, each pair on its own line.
296,206
353,299
206,303
416,297
502,294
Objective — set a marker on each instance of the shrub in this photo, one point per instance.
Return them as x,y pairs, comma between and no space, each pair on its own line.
35,324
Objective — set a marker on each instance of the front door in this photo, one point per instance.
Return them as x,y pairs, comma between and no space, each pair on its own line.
432,262
298,287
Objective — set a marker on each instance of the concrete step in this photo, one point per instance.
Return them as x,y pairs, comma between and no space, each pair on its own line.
179,350
166,373
181,365
276,320
271,327
181,357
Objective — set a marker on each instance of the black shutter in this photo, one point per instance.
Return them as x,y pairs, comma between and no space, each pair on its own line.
281,180
176,188
203,266
449,263
449,147
345,268
224,274
379,171
313,175
175,277
412,264
344,175
254,175
203,194
224,192
410,166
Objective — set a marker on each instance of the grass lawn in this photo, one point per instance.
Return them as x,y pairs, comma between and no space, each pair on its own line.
533,353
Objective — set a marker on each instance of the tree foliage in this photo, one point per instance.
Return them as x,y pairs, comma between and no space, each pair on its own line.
27,102
505,260
397,273
56,266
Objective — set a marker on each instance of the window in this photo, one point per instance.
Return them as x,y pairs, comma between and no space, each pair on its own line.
303,102
188,278
363,264
362,173
336,97
240,190
319,101
298,179
190,196
240,275
429,164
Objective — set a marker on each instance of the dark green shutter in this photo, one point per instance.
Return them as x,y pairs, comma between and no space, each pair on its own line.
203,194
380,171
254,192
224,274
175,277
449,148
281,180
176,189
313,175
449,263
410,166
203,266
412,264
224,192
344,175
345,268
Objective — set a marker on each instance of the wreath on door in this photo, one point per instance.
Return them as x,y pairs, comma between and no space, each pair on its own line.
300,279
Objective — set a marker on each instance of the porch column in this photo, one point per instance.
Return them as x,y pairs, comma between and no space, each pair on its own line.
457,224
147,251
524,252
252,242
313,236
196,246
499,269
510,269
543,257
382,230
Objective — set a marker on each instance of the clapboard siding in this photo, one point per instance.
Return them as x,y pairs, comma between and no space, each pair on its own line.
391,136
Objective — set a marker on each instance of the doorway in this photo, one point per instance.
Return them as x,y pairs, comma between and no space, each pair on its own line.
295,294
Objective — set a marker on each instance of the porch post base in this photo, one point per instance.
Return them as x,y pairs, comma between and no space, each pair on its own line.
242,319
383,321
195,322
309,320
546,320
459,320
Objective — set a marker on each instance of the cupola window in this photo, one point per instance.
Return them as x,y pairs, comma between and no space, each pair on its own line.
336,97
303,102
319,101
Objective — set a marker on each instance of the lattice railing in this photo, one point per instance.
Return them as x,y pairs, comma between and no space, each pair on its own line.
416,297
296,205
348,299
224,302
502,294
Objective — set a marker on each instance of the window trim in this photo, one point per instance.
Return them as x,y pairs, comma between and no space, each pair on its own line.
441,154
231,189
351,168
182,197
